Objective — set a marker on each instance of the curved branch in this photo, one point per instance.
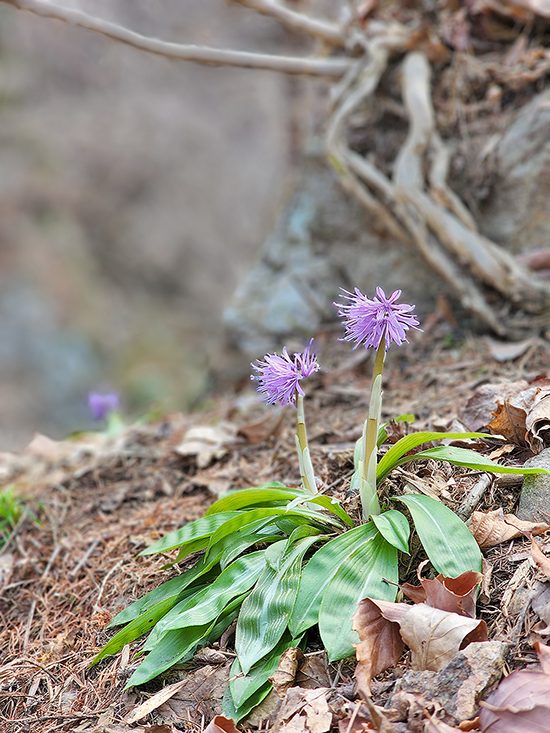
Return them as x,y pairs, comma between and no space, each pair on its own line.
331,67
324,29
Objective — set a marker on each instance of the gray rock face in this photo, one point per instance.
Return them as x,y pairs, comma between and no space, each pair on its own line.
324,240
534,503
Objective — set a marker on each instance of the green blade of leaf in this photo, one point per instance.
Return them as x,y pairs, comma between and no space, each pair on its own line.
142,624
176,646
169,589
227,547
244,686
318,573
471,459
448,542
264,613
394,528
206,605
199,529
362,574
332,505
241,543
243,498
391,459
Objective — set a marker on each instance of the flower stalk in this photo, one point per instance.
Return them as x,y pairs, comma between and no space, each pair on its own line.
306,467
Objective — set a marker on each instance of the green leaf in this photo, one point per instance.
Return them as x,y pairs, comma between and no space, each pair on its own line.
242,498
361,574
176,646
142,624
448,542
239,543
206,605
394,527
318,573
231,711
264,613
243,688
169,589
471,459
332,505
393,457
200,529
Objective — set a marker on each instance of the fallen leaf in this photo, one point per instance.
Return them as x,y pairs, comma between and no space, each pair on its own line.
304,710
540,603
154,702
540,558
380,643
283,677
7,563
508,351
457,595
480,407
383,725
312,673
200,694
432,725
221,724
537,421
207,443
521,703
544,656
509,418
492,528
435,637
264,429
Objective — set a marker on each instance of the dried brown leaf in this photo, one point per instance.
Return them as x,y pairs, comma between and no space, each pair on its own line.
520,704
154,702
457,595
433,725
492,528
537,421
304,710
480,407
207,443
509,421
380,641
312,673
383,725
543,653
264,429
221,724
540,558
435,637
283,677
508,351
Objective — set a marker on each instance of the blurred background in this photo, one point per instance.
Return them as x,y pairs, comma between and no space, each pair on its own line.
134,193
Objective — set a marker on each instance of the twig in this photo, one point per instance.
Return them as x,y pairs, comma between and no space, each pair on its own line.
475,495
84,559
324,29
97,607
29,624
330,67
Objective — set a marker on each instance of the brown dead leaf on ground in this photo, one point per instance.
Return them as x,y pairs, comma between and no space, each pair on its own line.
207,443
221,724
434,636
521,703
283,677
479,409
154,702
492,528
304,710
432,725
457,595
540,603
541,560
380,645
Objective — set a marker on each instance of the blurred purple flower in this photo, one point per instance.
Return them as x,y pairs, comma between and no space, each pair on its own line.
368,321
279,376
101,405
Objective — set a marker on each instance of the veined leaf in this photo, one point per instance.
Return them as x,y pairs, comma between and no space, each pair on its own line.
243,498
179,645
264,613
169,589
394,528
393,457
206,605
142,624
244,518
449,544
318,573
332,505
471,459
243,687
362,574
227,547
244,541
199,529
231,711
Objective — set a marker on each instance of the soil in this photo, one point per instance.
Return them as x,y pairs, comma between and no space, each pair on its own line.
94,501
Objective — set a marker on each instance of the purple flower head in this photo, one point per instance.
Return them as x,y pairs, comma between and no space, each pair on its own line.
368,321
101,405
279,376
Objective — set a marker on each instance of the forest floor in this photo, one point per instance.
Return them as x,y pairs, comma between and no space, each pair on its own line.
94,501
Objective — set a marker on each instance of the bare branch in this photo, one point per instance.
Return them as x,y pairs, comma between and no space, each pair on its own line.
330,67
324,29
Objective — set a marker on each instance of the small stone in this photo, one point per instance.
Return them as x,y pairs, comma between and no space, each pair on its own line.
534,503
470,676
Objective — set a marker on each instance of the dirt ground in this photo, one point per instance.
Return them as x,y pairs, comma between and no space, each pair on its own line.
94,502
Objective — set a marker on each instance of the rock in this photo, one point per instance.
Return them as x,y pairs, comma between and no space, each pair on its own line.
534,502
458,688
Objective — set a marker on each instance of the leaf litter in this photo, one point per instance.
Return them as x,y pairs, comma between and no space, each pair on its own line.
98,501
